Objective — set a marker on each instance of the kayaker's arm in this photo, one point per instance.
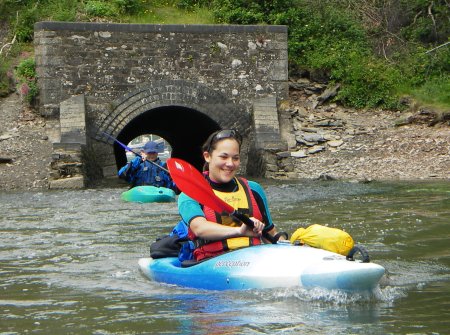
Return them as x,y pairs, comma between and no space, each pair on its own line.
207,230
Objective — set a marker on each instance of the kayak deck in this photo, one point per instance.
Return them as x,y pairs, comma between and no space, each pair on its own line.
149,194
267,266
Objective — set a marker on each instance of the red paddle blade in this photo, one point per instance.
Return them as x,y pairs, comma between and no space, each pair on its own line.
190,181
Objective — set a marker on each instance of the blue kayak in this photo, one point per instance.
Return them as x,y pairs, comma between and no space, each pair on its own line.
149,194
266,266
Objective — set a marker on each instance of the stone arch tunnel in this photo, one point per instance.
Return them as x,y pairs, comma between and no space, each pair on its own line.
180,82
183,113
185,129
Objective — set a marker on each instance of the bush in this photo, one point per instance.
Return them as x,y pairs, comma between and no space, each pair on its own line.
435,91
327,40
24,29
248,12
26,69
26,78
60,10
4,80
129,6
193,4
369,84
373,48
100,8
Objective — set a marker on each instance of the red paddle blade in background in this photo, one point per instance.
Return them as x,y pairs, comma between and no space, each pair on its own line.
190,181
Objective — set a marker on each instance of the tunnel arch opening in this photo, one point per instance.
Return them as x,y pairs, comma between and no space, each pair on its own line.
185,129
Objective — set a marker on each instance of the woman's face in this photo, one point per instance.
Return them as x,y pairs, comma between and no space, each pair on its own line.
224,160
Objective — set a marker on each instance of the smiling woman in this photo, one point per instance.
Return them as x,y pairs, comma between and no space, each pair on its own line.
251,268
214,232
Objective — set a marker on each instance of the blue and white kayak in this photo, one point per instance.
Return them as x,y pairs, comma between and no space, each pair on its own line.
149,194
267,266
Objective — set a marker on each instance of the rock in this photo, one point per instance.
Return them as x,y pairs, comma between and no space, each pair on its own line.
316,149
335,143
324,176
299,154
5,137
310,130
331,137
329,123
329,93
283,154
313,137
76,182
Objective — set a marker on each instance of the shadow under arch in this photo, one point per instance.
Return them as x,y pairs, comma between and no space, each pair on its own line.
183,112
184,128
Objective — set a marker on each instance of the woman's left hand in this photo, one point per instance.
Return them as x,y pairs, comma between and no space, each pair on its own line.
259,226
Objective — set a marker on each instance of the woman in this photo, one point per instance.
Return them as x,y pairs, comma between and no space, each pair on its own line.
215,233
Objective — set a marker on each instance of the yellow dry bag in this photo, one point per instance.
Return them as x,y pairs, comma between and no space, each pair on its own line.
318,236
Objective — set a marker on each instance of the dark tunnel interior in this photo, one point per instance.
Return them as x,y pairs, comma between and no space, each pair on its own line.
185,129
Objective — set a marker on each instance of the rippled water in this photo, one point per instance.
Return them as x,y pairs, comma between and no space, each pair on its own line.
69,265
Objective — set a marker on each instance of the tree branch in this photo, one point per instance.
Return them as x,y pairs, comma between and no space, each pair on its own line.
439,46
430,13
415,17
8,45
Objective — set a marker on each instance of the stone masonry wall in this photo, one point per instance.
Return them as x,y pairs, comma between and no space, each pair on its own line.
105,62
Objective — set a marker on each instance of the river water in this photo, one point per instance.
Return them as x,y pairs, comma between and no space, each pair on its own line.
69,265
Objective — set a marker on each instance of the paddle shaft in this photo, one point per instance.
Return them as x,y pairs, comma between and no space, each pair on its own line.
131,150
246,220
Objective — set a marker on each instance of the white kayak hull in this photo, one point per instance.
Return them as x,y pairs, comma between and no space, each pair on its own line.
267,266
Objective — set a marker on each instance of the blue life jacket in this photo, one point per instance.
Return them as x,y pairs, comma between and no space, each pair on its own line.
139,173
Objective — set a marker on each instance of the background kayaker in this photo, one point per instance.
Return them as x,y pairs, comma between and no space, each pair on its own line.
214,233
147,169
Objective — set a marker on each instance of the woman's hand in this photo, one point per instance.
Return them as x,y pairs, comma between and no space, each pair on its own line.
251,232
213,231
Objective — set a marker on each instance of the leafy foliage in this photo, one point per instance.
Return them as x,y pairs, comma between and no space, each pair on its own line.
26,77
4,79
192,4
434,92
377,50
115,8
248,12
99,8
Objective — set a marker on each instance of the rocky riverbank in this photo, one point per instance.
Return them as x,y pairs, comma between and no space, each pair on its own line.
332,142
325,141
24,147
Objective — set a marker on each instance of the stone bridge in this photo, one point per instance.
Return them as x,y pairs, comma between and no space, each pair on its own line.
180,82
